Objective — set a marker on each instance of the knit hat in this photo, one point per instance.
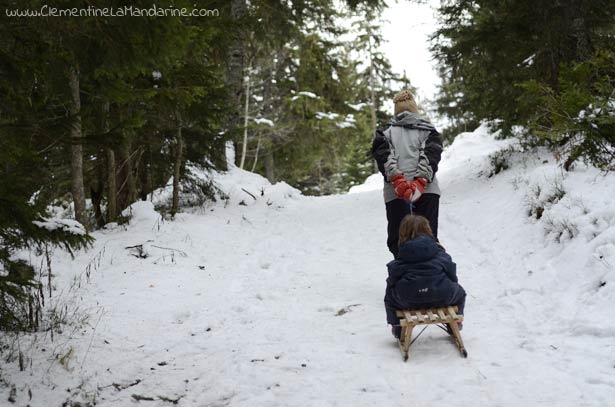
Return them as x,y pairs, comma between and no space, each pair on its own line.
404,101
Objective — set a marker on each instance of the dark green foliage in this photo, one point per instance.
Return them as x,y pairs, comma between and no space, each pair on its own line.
528,63
153,100
580,118
324,100
499,162
21,204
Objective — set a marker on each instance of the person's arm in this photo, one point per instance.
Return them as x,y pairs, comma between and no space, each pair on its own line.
450,268
394,274
380,151
430,156
390,166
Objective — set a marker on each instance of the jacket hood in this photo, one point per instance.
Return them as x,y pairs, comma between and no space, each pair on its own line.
419,249
411,120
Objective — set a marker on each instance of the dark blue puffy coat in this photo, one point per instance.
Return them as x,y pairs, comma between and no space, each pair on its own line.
423,275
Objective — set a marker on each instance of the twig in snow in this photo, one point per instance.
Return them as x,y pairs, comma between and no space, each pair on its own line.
170,400
139,397
182,253
345,310
141,254
120,387
91,339
249,193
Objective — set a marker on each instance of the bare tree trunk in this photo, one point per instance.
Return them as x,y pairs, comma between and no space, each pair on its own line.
128,189
179,146
111,177
111,186
236,55
145,175
246,111
270,166
258,147
77,187
372,93
235,66
268,85
97,189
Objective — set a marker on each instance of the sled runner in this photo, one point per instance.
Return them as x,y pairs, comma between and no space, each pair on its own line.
445,315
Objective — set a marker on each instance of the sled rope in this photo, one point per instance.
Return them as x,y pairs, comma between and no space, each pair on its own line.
417,337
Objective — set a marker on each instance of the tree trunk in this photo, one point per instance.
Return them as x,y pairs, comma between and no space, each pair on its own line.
145,175
97,189
372,93
269,166
235,67
236,55
110,159
246,111
111,186
258,147
179,146
77,187
128,189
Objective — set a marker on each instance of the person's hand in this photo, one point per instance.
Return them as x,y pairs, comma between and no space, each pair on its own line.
400,185
417,187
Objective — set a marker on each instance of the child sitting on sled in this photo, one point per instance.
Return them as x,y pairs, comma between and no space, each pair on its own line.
422,276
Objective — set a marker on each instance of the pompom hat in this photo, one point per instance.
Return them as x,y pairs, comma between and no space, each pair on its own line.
404,101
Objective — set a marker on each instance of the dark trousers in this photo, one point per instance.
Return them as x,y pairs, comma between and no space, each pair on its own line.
427,206
458,298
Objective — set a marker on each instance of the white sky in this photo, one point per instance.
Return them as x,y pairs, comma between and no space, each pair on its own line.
406,29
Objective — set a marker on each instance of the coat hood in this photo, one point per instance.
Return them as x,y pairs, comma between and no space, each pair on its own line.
411,120
419,249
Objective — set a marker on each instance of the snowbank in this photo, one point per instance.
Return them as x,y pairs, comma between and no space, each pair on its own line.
372,183
264,296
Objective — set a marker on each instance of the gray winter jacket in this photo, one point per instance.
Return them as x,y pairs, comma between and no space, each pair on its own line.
415,149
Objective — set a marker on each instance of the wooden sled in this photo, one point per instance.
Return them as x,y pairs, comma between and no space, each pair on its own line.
411,318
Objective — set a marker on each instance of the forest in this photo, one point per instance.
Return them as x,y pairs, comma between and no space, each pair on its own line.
97,113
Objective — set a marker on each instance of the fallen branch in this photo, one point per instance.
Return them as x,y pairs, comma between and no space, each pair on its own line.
345,310
144,398
120,387
249,193
182,253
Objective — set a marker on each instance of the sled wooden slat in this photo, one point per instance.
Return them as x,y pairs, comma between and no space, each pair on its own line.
445,315
452,312
420,316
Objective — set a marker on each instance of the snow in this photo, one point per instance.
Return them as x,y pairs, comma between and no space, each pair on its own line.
374,182
349,121
592,112
529,61
358,106
262,120
66,225
306,94
237,303
326,115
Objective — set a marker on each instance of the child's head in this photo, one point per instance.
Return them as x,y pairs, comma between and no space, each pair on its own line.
412,226
404,102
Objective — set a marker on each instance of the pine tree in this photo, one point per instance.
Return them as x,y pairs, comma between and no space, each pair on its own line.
489,49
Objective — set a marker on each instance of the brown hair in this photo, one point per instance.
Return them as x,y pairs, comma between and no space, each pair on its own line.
412,226
404,101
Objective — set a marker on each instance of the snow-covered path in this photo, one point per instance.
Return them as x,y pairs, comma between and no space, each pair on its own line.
281,305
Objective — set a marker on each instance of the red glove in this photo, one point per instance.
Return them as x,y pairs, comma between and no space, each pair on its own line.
418,187
401,185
